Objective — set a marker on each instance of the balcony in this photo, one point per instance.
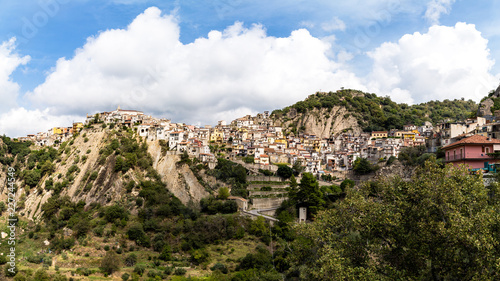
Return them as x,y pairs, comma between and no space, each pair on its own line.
459,157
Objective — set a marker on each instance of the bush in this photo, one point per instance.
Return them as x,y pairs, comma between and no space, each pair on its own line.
115,212
110,262
139,269
131,259
362,166
93,176
248,159
390,160
220,267
166,253
266,173
125,276
347,183
284,171
180,271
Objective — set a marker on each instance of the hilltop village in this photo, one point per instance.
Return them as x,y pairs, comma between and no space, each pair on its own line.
257,139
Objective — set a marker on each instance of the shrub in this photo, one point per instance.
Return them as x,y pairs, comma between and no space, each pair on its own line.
180,271
110,262
115,212
390,160
220,267
131,259
139,269
347,183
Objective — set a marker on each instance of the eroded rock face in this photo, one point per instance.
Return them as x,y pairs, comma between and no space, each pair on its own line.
108,186
323,122
486,105
485,108
180,180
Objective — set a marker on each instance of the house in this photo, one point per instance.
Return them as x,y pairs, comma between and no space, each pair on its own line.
409,127
379,134
474,151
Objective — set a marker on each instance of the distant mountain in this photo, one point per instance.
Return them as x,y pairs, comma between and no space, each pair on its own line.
351,110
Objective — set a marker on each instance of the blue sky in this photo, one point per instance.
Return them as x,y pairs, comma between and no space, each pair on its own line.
202,61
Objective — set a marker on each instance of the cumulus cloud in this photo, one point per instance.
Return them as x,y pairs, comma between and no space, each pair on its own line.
146,67
9,61
444,63
20,121
435,8
17,121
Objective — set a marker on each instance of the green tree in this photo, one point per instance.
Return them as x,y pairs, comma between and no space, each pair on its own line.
47,168
223,193
292,192
297,167
110,262
284,171
347,183
309,194
362,166
131,259
441,225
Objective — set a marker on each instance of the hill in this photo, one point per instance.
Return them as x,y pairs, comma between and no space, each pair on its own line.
351,110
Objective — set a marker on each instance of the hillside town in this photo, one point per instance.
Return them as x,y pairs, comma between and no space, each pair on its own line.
257,138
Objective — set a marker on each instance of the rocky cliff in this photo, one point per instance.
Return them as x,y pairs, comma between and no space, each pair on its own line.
180,180
322,122
486,107
84,171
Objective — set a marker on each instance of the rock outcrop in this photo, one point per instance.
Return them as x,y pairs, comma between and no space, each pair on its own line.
107,186
486,105
180,180
322,122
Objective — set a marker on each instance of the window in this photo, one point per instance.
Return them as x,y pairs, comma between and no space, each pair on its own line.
487,150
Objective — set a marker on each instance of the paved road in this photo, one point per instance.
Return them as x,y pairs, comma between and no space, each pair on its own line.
257,214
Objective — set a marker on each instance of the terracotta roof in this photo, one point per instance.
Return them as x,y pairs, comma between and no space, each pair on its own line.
475,139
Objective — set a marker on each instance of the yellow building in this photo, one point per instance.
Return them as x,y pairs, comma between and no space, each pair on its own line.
409,136
281,142
77,126
379,134
217,136
57,131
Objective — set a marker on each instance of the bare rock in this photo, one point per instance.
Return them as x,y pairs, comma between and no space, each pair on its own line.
485,107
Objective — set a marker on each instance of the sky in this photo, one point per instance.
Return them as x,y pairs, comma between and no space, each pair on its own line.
198,62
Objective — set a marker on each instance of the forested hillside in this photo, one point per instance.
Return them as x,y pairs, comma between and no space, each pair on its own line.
374,113
95,208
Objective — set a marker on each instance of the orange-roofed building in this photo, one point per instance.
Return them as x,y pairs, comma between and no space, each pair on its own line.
474,151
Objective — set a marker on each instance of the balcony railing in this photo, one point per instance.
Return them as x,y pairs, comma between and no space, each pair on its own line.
467,157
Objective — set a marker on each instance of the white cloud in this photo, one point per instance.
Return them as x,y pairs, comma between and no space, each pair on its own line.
17,121
435,8
20,121
146,67
9,61
444,63
334,24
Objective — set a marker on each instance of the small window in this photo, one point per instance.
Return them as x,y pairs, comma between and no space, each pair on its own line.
487,150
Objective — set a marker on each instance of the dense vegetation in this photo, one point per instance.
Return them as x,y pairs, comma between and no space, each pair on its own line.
381,113
441,225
